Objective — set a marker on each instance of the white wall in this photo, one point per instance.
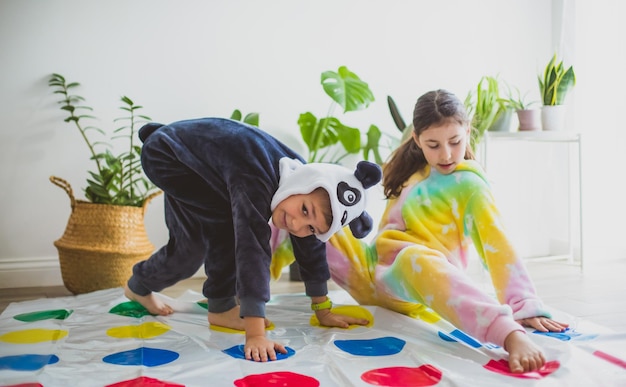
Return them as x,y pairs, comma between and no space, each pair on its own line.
599,114
193,58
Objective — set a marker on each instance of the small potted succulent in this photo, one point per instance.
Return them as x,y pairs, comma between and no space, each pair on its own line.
528,116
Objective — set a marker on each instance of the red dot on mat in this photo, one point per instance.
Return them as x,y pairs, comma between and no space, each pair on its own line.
144,381
422,376
281,378
502,367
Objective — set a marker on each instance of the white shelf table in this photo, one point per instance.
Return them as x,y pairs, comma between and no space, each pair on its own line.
571,139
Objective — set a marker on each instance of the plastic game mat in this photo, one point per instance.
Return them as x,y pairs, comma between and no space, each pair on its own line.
103,339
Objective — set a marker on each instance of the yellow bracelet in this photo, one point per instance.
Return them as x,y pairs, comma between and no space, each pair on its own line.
322,305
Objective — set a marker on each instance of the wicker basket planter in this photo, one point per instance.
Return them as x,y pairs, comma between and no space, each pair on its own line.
101,243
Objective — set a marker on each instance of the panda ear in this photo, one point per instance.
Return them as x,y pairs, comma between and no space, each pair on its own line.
147,130
287,167
368,173
362,225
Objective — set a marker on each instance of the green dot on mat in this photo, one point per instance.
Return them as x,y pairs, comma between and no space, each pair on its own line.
203,304
130,309
58,314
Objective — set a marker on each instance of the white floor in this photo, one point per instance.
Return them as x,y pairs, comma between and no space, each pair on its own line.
598,294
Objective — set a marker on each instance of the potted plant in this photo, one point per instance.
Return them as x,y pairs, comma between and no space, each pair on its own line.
554,85
322,136
105,234
488,109
529,118
328,139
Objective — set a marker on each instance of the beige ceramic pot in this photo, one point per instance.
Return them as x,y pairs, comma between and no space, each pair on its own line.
529,119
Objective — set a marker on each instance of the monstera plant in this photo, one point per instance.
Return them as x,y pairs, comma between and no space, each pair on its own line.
324,135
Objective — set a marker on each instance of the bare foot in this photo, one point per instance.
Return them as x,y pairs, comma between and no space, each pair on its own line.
524,355
151,302
230,319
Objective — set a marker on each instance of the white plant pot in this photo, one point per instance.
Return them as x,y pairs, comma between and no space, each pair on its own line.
553,117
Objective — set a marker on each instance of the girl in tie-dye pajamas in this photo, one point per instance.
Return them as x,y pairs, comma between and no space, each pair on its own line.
440,205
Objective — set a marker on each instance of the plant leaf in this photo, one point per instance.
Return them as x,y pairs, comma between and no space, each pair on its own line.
373,144
236,115
252,119
395,114
318,134
346,89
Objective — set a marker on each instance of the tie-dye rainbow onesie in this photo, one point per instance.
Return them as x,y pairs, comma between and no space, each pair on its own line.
419,257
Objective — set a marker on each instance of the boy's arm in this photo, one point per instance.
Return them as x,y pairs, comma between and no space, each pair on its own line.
258,347
310,253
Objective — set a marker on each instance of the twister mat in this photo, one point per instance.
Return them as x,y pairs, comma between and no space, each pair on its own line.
103,339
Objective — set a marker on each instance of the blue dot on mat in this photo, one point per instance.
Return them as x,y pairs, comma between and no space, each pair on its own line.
28,362
567,335
382,346
149,357
456,335
237,352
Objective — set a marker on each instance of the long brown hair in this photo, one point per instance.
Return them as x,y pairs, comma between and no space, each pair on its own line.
431,109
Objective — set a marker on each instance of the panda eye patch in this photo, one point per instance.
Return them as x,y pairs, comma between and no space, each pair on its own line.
347,195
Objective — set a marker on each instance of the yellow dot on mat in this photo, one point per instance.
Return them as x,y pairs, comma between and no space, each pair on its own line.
415,310
218,328
347,310
31,336
428,316
144,331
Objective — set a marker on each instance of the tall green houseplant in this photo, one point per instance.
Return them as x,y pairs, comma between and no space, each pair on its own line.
350,93
485,105
118,179
105,236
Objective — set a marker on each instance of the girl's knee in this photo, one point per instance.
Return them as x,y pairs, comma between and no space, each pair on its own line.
418,259
409,260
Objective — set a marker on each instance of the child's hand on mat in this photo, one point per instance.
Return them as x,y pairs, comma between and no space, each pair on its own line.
259,348
543,324
329,319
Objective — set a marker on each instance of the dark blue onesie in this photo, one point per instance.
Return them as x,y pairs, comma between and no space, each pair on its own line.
218,177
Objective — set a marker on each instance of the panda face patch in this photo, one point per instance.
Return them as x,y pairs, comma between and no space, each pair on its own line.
348,196
344,217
